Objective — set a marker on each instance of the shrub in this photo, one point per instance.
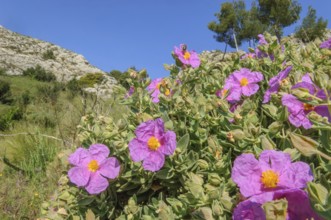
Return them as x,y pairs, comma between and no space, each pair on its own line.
90,79
188,140
49,93
48,55
39,74
5,94
6,119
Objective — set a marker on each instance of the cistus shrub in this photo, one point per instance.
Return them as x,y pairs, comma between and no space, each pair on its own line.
90,79
39,74
244,137
5,93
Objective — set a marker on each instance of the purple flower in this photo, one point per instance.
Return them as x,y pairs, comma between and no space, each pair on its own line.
154,88
262,40
274,83
92,168
242,82
187,58
248,210
151,144
298,111
273,171
130,92
326,44
248,55
307,83
298,205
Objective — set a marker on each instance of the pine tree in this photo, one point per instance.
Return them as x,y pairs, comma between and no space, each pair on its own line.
229,24
311,28
278,14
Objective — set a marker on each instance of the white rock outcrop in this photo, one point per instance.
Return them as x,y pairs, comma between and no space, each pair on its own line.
19,52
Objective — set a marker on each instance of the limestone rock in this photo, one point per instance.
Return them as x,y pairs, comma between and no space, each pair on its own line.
19,52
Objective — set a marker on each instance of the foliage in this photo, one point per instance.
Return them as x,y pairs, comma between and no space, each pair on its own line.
125,78
90,79
49,54
7,118
279,14
33,145
195,182
5,93
229,23
39,74
311,28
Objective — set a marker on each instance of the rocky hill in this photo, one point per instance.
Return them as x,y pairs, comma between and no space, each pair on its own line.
19,52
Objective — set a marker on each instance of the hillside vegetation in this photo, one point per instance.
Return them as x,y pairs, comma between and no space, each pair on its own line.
38,124
248,135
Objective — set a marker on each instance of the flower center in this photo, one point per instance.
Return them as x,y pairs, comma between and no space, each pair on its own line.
187,55
284,82
308,107
153,143
158,86
244,81
224,91
269,179
93,166
167,92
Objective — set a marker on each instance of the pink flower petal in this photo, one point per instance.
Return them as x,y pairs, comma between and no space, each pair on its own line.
169,145
298,175
246,173
138,150
250,89
79,175
110,168
274,160
97,184
80,157
154,161
99,152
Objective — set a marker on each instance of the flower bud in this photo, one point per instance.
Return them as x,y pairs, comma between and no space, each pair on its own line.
203,164
214,179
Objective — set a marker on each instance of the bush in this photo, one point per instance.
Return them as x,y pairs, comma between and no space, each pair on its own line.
6,119
220,117
90,79
39,74
48,55
5,94
49,93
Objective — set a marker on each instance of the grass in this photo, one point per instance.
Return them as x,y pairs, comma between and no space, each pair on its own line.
29,170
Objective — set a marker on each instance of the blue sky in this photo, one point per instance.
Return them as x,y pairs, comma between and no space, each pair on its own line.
117,34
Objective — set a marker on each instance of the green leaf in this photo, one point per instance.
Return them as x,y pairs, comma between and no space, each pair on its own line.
275,210
164,174
183,142
305,145
267,143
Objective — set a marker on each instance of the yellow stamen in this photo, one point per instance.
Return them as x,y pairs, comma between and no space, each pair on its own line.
158,85
187,55
308,107
269,179
224,91
284,82
153,143
244,82
167,92
93,166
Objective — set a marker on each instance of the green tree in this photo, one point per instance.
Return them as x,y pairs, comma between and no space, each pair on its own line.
311,28
230,22
278,14
252,26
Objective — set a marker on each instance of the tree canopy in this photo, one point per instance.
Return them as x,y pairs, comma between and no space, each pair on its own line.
311,27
